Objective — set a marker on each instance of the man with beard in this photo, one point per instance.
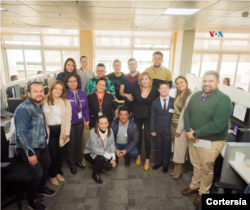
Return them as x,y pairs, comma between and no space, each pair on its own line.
206,117
159,72
31,143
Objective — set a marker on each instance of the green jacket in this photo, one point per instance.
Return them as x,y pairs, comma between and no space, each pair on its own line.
210,118
90,86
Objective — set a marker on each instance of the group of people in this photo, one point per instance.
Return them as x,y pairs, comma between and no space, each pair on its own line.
119,109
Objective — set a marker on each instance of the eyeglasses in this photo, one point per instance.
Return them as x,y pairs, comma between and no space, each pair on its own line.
73,81
100,70
132,64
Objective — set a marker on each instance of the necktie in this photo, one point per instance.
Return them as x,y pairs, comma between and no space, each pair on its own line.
164,106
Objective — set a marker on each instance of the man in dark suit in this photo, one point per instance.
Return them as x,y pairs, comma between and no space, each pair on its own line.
162,110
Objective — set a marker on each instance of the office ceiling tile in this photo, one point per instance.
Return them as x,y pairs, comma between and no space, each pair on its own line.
43,8
117,20
144,17
82,10
170,17
124,11
192,4
118,25
38,2
114,3
238,13
42,18
230,5
10,2
138,11
216,13
7,14
117,16
227,19
88,16
18,8
153,4
89,3
31,14
58,14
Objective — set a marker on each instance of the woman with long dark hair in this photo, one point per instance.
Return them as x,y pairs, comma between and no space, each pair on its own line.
226,81
57,112
69,67
178,133
100,148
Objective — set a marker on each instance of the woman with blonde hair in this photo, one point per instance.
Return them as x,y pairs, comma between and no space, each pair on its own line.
57,112
143,96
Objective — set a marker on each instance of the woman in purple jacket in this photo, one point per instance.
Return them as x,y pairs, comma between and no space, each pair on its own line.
80,119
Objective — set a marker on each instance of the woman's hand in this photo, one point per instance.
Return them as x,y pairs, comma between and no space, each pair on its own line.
64,138
116,114
118,101
113,163
177,135
86,125
129,97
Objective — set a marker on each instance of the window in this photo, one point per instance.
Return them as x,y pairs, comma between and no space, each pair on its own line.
209,62
123,45
29,51
243,73
196,62
228,67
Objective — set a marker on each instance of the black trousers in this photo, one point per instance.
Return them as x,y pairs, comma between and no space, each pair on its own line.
147,137
55,151
163,148
100,163
74,144
39,172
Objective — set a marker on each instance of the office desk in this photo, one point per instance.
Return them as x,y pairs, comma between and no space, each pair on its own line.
222,153
242,170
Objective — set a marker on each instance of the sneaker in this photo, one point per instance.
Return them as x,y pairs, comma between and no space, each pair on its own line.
47,192
36,205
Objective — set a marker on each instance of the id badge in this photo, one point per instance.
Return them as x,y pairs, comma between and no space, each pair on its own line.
100,113
79,115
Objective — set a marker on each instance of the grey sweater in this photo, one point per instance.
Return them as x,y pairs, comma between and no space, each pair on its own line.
94,146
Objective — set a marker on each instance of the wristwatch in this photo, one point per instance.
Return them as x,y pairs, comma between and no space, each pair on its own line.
194,134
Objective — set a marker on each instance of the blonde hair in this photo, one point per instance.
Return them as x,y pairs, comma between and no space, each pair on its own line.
50,99
141,77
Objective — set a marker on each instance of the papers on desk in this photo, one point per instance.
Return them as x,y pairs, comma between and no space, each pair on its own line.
203,144
240,112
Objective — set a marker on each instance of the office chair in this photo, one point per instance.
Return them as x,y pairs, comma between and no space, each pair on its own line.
13,173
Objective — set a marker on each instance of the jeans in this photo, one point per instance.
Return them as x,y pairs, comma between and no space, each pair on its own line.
56,152
132,154
100,163
74,144
39,172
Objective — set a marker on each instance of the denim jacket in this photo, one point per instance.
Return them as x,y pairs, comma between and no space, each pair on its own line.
30,127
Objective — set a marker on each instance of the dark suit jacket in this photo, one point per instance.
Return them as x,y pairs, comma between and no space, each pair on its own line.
161,120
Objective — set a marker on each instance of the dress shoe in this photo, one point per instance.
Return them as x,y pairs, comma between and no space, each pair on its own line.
146,168
165,170
36,205
79,164
175,169
178,172
127,162
54,181
198,199
138,162
188,191
73,170
156,166
60,178
46,192
97,178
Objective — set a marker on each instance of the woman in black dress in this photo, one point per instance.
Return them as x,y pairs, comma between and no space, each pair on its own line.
101,103
143,96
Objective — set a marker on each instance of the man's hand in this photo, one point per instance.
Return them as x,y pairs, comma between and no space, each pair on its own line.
177,135
64,138
113,163
32,160
129,97
108,92
190,135
153,134
123,153
118,153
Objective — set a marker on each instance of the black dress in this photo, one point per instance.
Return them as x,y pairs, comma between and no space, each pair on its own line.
108,107
142,106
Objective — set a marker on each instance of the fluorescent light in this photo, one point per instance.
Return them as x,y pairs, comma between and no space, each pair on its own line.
176,11
2,9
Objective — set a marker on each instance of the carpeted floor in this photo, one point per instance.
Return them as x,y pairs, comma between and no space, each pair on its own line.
124,188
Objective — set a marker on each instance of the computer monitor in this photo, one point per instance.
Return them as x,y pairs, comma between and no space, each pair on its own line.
14,103
241,123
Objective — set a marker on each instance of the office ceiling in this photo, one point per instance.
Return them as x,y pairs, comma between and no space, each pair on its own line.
126,15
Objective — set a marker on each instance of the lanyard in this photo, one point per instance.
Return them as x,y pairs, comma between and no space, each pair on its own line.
101,140
78,100
100,101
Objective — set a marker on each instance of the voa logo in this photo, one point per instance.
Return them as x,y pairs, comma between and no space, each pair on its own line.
216,34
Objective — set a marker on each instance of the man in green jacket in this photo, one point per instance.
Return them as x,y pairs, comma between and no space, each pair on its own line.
100,72
206,117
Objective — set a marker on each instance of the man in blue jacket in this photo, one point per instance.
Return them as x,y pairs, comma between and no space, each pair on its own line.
126,136
31,143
